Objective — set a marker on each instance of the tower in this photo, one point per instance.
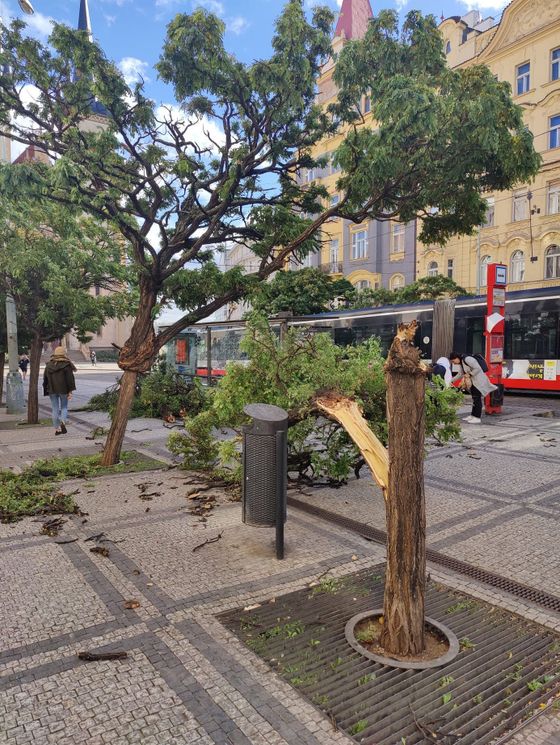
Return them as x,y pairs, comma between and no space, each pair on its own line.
353,19
84,22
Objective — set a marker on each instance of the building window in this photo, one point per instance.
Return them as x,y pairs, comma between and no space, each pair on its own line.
520,206
450,268
367,104
523,78
553,198
309,175
363,284
433,269
483,270
554,134
359,244
447,47
396,282
552,262
397,237
333,255
555,68
489,216
97,290
517,267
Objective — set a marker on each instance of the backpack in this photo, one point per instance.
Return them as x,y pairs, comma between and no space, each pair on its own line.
481,361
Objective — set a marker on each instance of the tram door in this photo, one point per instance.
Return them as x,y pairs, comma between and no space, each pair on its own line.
423,338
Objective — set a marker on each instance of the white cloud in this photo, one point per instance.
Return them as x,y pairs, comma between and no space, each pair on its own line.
237,25
214,6
496,5
39,25
110,20
133,70
400,4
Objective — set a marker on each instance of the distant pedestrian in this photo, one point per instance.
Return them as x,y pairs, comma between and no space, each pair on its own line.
23,365
58,384
93,357
442,369
474,380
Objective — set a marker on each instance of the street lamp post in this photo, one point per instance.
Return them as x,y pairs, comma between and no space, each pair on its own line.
14,384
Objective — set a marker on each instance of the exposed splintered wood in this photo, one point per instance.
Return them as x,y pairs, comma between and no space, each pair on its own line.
403,632
347,412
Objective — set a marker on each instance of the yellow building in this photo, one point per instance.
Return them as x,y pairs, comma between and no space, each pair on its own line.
522,227
375,253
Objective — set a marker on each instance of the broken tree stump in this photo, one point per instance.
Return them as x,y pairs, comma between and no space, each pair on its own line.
403,631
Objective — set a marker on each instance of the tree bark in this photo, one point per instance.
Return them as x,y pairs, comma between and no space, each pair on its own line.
443,328
403,631
34,364
2,364
136,356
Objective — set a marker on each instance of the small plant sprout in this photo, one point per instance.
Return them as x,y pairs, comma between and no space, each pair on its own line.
336,663
327,585
366,679
446,698
360,726
478,699
461,605
445,681
465,643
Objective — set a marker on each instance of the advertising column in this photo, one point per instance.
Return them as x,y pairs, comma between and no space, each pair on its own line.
494,333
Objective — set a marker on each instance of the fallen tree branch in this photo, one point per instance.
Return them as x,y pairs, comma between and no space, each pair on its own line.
206,542
98,656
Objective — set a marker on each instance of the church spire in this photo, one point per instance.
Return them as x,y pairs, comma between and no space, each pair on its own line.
84,23
353,19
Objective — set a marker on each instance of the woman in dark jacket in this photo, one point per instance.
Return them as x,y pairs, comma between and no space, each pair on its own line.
58,384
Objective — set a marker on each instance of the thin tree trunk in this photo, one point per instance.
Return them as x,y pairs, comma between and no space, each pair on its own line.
443,328
2,364
136,356
34,364
113,445
403,631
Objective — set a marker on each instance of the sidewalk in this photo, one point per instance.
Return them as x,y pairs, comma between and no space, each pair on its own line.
187,680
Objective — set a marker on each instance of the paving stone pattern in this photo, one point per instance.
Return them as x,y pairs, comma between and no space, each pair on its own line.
187,679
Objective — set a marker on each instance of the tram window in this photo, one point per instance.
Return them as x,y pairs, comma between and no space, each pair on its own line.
532,336
475,336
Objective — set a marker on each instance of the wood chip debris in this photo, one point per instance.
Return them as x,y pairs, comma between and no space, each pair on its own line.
131,604
207,541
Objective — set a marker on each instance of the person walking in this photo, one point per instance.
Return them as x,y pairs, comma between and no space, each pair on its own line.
23,365
93,357
58,384
474,380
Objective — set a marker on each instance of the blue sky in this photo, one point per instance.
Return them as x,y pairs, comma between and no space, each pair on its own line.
132,31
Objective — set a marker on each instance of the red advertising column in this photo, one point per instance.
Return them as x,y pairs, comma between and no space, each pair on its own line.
494,325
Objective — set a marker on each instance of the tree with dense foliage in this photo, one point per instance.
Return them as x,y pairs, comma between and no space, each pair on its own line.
51,258
291,373
441,137
301,292
425,288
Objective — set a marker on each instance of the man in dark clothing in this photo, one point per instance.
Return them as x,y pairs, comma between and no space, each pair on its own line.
58,384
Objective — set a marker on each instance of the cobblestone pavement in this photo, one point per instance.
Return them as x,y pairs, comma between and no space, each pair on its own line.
186,679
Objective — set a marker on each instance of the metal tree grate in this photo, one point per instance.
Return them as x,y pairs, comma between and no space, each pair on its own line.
538,597
507,666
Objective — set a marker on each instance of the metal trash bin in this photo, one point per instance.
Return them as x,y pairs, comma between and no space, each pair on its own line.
265,469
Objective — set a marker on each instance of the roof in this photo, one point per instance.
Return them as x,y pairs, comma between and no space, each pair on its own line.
353,19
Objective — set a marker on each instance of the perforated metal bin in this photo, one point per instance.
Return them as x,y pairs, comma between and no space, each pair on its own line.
265,465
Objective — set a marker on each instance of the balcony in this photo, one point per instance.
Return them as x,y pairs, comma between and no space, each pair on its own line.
332,267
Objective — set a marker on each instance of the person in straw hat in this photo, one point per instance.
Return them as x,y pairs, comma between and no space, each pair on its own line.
58,384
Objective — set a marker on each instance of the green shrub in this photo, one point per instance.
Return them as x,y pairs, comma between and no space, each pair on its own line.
290,375
160,393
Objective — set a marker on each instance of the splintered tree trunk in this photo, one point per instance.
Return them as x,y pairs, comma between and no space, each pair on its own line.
34,365
2,364
137,356
403,631
444,325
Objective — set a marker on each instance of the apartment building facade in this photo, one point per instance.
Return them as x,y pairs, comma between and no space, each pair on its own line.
522,226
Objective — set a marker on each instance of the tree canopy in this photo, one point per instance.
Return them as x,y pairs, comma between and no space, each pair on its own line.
300,292
223,161
51,257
